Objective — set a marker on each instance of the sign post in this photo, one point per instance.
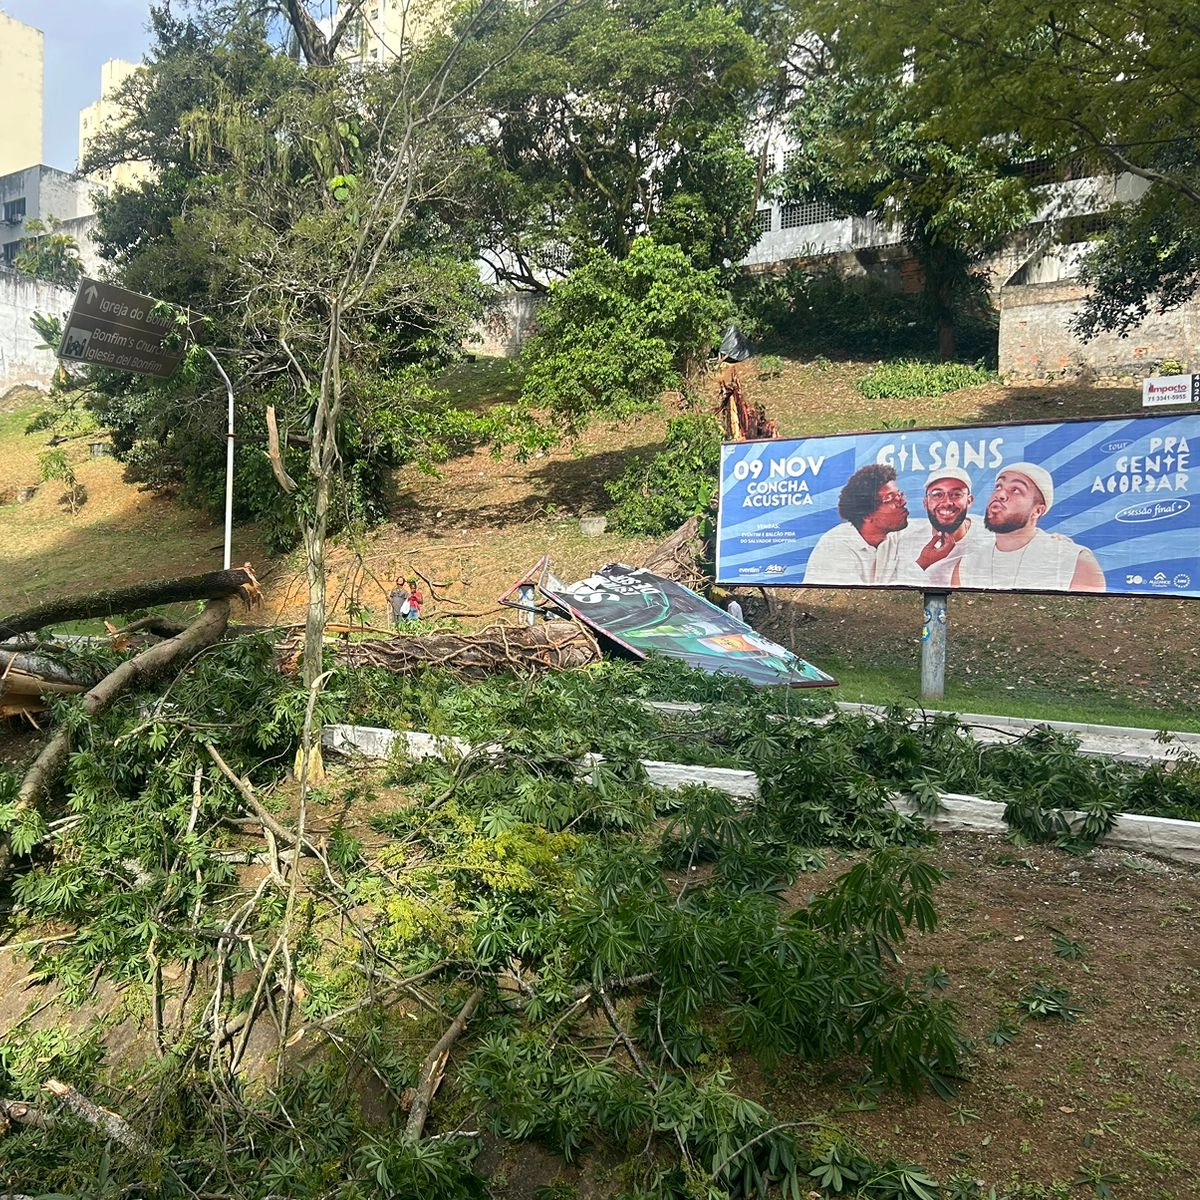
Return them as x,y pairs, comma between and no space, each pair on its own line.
112,327
1163,390
933,647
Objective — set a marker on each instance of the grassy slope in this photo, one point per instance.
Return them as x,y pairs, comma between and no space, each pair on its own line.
482,522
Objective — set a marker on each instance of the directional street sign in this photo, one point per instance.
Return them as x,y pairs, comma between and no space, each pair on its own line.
111,327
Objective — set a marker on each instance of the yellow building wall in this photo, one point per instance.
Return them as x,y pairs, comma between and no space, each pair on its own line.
22,61
99,115
385,26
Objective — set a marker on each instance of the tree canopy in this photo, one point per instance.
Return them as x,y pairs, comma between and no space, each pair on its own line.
615,120
859,149
1114,84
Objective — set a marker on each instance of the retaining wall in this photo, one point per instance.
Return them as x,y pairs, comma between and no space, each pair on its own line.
20,298
1036,341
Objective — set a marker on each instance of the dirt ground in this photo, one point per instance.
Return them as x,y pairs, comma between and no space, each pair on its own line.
483,521
1115,1091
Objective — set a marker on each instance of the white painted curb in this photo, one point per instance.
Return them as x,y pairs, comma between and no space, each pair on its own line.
375,743
1162,836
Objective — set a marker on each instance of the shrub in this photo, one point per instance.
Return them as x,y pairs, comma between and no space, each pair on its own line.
656,497
908,378
617,334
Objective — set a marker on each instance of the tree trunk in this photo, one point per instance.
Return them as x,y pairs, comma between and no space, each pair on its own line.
947,338
215,585
205,630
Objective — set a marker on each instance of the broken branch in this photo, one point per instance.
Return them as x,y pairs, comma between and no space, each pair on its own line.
205,630
434,1067
107,1122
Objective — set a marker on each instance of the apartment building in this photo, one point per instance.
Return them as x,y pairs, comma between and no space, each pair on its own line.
383,27
22,63
101,115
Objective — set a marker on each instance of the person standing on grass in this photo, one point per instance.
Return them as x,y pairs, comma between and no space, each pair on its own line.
400,599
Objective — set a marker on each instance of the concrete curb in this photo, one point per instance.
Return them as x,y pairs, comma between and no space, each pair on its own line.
1123,743
1161,836
1024,724
370,742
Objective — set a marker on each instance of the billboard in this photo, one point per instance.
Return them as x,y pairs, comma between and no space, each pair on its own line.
1090,506
644,612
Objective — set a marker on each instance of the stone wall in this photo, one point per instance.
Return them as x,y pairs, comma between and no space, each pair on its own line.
1036,341
20,298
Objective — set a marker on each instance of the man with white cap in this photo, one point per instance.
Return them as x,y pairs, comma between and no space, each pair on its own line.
1022,555
925,554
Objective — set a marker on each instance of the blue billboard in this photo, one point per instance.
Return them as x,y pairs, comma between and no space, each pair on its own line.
1076,506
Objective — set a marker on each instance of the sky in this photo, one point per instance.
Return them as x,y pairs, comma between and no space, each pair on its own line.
80,36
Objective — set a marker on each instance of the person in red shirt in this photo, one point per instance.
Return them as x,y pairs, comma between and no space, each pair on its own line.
414,601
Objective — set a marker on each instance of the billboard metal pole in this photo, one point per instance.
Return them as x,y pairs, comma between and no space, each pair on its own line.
933,647
228,460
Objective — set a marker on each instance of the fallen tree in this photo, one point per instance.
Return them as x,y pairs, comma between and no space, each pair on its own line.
205,630
215,585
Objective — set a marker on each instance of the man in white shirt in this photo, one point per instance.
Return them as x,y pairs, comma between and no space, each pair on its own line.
1022,555
871,506
926,552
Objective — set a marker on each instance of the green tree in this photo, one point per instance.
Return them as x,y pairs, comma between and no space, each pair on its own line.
49,254
616,120
1114,85
860,150
309,217
618,333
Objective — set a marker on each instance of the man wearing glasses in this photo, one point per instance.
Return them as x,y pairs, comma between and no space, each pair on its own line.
925,554
872,508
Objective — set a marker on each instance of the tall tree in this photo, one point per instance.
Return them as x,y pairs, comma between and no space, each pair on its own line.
860,150
1116,83
620,119
312,225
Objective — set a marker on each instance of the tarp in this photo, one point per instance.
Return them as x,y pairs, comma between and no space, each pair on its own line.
644,613
734,346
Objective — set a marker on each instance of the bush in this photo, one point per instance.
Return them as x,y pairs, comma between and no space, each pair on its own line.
656,497
908,378
617,334
820,312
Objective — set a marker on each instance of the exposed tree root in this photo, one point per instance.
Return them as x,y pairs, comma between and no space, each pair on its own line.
554,645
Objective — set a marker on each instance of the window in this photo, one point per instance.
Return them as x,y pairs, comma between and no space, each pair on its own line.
808,212
11,250
14,211
761,223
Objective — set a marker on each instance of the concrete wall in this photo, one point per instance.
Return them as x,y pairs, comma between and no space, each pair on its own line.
505,327
839,235
20,298
1036,341
22,60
